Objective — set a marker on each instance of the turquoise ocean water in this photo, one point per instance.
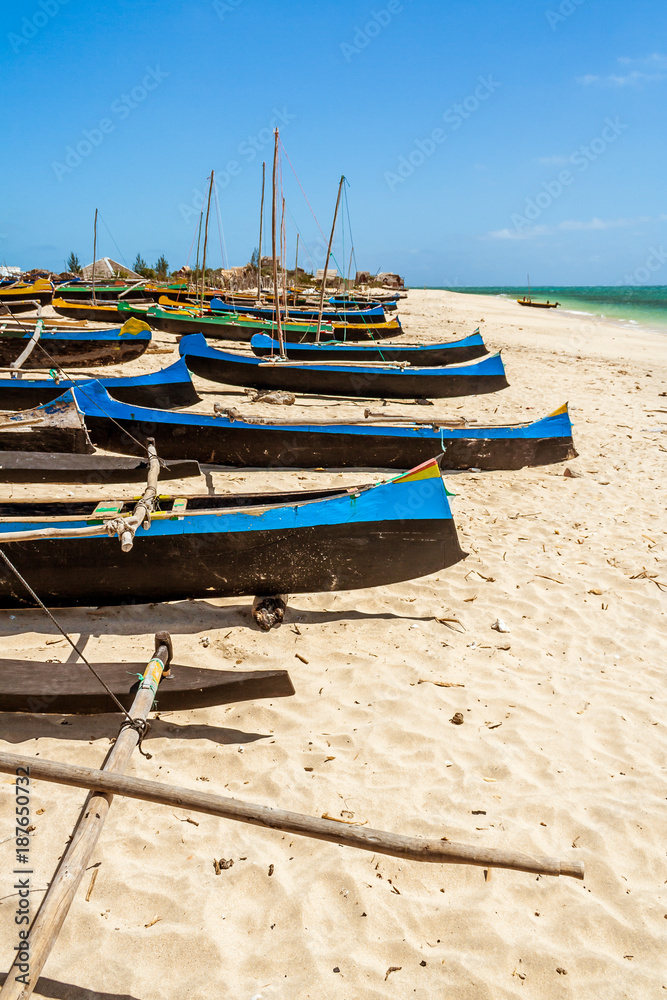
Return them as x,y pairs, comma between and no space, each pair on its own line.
644,306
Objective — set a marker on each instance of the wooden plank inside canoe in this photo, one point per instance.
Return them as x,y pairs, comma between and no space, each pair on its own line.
71,689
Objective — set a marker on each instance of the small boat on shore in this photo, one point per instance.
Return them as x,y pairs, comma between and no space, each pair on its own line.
229,546
367,315
105,311
184,318
166,389
69,343
22,292
453,352
343,378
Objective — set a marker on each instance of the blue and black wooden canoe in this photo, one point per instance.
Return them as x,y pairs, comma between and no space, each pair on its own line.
368,315
230,546
77,346
331,378
166,389
226,440
453,352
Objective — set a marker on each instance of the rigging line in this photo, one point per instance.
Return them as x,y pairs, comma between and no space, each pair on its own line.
221,232
194,236
303,242
353,254
76,649
120,252
81,389
302,191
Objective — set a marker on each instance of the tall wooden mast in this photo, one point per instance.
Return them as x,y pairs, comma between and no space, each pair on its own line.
203,266
94,252
259,250
326,260
276,292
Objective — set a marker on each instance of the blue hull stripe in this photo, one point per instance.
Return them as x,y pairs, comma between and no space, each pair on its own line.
93,400
263,340
422,499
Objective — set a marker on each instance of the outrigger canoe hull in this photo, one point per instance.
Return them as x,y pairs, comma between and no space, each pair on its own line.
455,352
235,546
372,381
224,440
166,389
80,348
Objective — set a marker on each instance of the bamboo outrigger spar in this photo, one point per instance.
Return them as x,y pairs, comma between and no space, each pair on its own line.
111,779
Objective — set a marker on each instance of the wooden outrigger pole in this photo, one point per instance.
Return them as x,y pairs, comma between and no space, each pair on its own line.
435,851
259,249
94,253
60,894
326,261
276,292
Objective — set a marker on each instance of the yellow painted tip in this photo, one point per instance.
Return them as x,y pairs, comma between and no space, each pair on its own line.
561,409
134,326
428,470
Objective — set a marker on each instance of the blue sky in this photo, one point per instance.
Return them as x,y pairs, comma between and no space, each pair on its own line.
481,140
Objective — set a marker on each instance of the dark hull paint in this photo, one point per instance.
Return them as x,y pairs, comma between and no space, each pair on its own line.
15,308
243,332
425,356
66,689
91,571
262,446
43,297
56,467
399,383
77,352
352,316
18,394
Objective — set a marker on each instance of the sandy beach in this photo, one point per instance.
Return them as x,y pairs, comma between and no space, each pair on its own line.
562,749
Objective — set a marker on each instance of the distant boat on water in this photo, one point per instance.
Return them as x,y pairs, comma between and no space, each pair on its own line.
527,300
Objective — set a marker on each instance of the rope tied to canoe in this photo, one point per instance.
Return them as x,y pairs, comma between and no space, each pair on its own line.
64,633
141,727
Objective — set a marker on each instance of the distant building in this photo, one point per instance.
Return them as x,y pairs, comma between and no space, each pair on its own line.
332,274
389,280
105,267
9,272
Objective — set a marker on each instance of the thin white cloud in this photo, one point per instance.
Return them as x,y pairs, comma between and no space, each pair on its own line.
570,225
647,69
553,161
576,224
529,233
